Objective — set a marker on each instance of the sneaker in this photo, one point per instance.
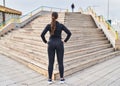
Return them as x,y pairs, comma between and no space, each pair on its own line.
62,81
50,81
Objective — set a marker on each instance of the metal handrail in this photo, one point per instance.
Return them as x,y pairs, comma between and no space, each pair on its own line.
41,8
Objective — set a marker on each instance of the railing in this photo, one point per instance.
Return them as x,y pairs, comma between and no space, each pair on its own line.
42,8
110,32
29,16
81,10
116,25
11,20
113,30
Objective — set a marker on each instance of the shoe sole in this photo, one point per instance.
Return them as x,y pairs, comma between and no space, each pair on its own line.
62,82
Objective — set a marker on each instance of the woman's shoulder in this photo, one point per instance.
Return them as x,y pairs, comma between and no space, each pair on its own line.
48,25
60,23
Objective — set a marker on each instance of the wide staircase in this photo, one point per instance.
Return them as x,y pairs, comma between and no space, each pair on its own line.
87,46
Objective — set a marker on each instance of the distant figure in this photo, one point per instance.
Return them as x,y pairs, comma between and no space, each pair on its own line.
72,6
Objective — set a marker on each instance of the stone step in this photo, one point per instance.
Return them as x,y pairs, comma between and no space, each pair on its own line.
76,30
38,39
79,23
84,51
75,33
84,57
84,43
75,47
37,34
34,47
25,52
43,47
73,38
28,32
77,16
86,38
81,26
70,20
39,42
39,31
88,63
73,30
78,19
66,70
18,55
67,45
20,46
44,21
49,17
34,65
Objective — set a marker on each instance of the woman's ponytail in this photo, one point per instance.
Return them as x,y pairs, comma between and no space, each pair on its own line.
53,22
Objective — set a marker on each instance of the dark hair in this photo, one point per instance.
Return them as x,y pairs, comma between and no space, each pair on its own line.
53,22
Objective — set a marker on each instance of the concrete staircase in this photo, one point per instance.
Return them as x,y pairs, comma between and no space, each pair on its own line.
87,46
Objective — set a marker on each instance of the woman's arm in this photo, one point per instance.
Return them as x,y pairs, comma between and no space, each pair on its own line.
67,32
44,33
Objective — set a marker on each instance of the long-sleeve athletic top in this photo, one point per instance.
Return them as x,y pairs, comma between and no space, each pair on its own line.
57,32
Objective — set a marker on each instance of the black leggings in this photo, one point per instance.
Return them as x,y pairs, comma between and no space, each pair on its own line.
58,47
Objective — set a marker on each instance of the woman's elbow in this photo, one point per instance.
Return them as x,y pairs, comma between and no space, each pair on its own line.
41,35
70,34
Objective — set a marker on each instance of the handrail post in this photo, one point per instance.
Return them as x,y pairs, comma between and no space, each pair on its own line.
30,14
18,20
51,10
67,10
117,35
60,10
41,8
108,26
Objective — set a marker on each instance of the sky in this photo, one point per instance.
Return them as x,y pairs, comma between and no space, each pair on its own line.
100,6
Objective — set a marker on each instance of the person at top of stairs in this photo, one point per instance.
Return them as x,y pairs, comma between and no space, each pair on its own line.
72,6
55,44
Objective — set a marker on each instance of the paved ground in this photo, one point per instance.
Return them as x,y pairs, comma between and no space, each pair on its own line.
13,73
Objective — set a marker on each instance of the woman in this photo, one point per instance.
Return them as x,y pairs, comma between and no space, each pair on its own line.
55,44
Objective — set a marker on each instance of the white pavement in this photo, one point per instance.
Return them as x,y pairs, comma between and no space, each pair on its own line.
13,73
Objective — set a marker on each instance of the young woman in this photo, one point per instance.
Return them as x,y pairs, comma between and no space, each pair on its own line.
55,44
